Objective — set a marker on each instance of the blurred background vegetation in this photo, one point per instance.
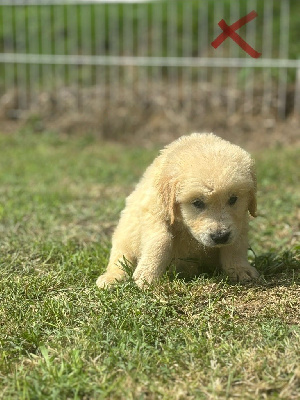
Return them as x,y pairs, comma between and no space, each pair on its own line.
99,29
82,21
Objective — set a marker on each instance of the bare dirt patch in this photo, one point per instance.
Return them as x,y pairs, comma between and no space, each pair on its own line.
157,115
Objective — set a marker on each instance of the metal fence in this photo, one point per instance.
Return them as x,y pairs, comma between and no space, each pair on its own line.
148,48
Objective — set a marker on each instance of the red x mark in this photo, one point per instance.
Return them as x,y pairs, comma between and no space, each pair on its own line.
230,31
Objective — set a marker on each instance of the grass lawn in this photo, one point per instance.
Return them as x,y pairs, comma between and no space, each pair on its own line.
62,338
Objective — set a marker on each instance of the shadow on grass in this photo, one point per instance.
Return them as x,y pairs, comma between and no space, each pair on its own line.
281,269
276,269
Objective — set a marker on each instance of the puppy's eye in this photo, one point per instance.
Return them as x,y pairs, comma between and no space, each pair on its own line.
232,200
199,204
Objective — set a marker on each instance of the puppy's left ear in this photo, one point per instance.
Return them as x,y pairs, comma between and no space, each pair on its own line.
167,191
252,206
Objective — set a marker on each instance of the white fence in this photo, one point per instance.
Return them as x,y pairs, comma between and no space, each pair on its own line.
147,47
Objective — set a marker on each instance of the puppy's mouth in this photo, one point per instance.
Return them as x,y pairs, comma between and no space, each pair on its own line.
217,239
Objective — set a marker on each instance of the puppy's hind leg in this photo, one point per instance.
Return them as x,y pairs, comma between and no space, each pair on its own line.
116,271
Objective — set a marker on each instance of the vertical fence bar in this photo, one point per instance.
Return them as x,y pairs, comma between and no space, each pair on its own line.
267,53
172,41
203,45
45,44
71,47
128,47
33,48
90,43
68,33
8,70
114,45
77,49
157,42
99,21
20,38
283,53
106,53
187,40
74,48
54,46
18,84
38,49
84,47
142,47
217,71
60,43
202,38
26,78
250,38
115,49
297,91
146,51
2,67
233,52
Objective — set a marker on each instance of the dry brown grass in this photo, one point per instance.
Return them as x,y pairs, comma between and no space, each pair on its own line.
158,114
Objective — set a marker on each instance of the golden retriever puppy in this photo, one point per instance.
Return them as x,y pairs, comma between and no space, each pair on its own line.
190,208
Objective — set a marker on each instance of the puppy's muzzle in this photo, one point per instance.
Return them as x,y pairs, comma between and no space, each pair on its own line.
220,237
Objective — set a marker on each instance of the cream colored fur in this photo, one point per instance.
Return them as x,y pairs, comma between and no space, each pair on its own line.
191,204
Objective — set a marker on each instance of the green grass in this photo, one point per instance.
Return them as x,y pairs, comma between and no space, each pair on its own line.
62,338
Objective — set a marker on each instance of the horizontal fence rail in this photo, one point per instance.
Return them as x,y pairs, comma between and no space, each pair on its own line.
141,47
146,61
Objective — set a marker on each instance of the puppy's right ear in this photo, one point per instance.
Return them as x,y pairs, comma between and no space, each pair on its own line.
167,191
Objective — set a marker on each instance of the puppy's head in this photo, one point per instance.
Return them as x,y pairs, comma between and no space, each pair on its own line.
209,186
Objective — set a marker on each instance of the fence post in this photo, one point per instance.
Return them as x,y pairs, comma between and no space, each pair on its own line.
297,90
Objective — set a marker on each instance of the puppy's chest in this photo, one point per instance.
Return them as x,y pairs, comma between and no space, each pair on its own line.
185,246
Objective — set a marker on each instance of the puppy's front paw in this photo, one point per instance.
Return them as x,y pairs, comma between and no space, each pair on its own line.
106,280
142,278
242,273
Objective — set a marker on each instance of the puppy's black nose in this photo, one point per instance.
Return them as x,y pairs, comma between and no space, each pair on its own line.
220,237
